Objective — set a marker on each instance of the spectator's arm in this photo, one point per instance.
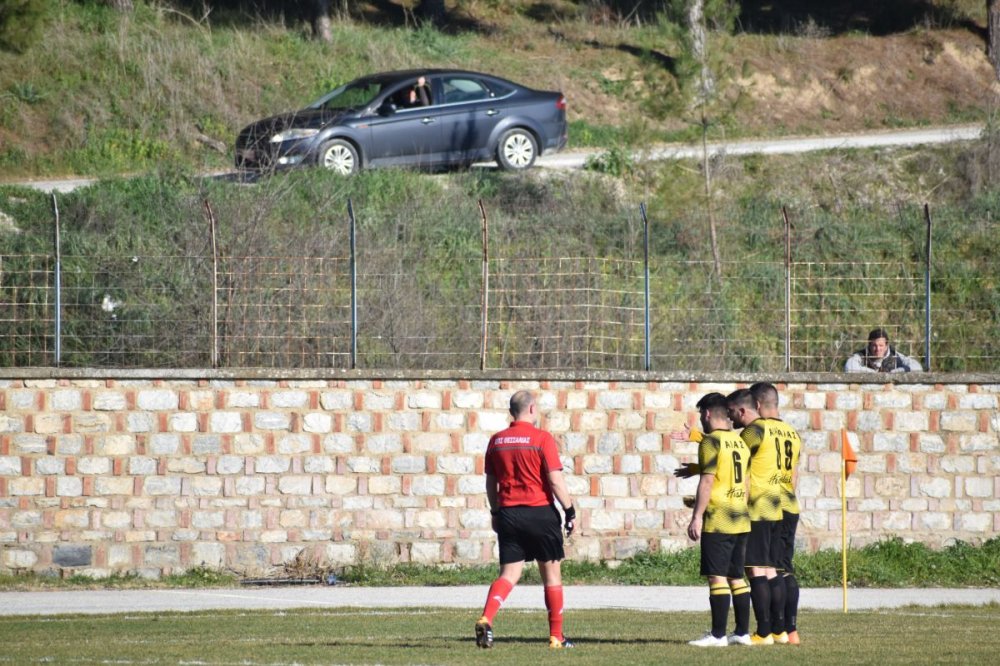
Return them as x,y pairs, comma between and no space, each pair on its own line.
856,364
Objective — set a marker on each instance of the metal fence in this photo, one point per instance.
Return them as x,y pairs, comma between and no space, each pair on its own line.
373,307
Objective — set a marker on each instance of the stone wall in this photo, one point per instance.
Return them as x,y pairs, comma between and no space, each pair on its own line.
157,472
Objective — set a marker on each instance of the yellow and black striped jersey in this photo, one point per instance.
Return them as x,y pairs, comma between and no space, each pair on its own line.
724,454
774,452
786,440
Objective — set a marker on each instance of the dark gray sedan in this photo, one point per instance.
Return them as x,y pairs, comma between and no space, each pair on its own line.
412,118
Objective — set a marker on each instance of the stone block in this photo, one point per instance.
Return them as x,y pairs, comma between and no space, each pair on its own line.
455,465
339,443
271,420
114,445
162,485
72,556
289,399
407,464
16,558
69,486
427,485
202,445
114,485
364,465
359,422
157,400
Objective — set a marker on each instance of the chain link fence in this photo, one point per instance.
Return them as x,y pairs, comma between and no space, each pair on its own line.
790,300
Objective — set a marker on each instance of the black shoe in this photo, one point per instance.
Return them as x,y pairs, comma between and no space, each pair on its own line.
484,633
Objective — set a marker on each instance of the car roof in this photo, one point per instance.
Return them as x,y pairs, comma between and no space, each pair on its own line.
400,75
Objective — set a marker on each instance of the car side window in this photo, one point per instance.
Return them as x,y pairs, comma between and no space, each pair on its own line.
463,89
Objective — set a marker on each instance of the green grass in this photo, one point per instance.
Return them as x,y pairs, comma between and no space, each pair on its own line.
886,564
959,635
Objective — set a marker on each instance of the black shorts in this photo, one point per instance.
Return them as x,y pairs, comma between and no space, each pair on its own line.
788,526
530,533
764,545
722,554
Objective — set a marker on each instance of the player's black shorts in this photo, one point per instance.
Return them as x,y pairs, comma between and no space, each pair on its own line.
764,545
722,554
788,526
530,533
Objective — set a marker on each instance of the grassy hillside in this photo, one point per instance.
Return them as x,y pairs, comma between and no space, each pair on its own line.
104,93
160,95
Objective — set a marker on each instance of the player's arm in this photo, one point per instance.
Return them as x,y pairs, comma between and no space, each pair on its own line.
700,504
558,484
689,434
493,496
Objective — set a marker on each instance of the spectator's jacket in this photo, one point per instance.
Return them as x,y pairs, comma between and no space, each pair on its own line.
891,362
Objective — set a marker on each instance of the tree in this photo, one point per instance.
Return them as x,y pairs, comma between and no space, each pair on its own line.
707,90
320,22
993,34
432,10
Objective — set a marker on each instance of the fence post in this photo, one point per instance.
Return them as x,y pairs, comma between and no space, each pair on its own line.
215,285
788,290
645,250
354,286
58,283
927,291
485,296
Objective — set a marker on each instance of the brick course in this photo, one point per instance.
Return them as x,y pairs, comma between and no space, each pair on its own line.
157,474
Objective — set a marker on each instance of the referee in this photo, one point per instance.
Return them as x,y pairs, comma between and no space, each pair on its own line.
523,473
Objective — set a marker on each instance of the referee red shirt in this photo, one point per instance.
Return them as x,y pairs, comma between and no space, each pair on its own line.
521,458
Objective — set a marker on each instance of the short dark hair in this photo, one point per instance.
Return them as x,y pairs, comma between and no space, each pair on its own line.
764,393
713,403
877,333
741,398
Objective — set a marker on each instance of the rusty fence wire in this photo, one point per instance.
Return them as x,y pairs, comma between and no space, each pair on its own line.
385,307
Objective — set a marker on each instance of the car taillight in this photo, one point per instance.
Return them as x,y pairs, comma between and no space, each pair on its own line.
561,103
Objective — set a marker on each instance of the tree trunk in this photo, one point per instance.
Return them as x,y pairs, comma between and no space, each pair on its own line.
121,5
699,49
704,94
432,10
321,27
993,34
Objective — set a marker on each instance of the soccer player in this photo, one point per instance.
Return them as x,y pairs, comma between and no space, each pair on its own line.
523,473
721,520
788,445
764,542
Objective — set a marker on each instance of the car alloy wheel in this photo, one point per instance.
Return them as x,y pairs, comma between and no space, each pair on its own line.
339,156
517,149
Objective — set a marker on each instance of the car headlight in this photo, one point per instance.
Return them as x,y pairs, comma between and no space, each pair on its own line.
293,134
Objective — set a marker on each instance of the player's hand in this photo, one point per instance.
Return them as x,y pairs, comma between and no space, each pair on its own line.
569,521
682,435
694,528
687,471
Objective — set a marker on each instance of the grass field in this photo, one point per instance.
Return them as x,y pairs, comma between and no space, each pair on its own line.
956,635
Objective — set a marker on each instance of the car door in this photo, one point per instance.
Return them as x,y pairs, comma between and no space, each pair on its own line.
469,112
402,133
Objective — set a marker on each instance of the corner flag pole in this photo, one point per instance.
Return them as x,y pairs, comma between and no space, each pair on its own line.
849,461
843,522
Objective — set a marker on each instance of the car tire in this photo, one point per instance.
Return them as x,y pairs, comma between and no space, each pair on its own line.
340,157
516,150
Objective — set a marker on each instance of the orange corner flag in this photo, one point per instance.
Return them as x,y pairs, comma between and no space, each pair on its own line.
848,454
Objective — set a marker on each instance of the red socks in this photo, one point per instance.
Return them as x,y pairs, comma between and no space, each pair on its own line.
499,590
554,602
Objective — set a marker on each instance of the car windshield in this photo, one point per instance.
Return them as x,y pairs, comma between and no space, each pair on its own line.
354,95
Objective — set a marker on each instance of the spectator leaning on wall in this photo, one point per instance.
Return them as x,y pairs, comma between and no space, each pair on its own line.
879,356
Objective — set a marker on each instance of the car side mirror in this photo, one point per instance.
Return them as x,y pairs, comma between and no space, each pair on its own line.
387,109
